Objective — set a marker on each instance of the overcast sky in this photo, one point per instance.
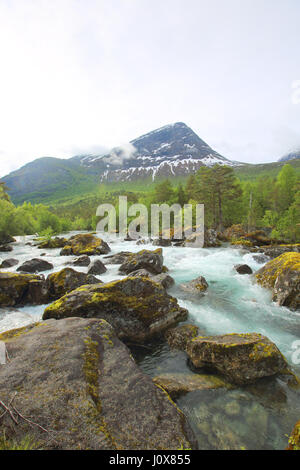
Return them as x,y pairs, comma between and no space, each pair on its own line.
80,75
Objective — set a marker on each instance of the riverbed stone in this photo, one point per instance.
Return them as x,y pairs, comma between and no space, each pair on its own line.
35,265
241,358
282,275
137,308
21,289
179,336
9,263
52,243
163,279
85,244
178,384
196,287
97,268
243,269
82,261
78,381
152,261
67,280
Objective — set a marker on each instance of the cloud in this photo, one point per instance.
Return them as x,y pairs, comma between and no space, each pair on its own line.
119,155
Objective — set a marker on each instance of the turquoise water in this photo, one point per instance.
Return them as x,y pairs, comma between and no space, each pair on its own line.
256,417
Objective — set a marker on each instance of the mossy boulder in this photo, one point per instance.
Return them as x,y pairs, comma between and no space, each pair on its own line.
35,265
56,242
85,244
241,358
197,287
163,279
137,308
235,232
179,336
294,440
282,275
66,280
152,261
20,289
179,384
79,382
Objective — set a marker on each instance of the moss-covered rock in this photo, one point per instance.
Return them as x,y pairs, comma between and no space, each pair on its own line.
163,279
277,250
97,268
179,384
294,440
152,261
20,289
78,381
197,287
282,275
85,244
66,280
179,336
118,258
137,308
56,242
242,358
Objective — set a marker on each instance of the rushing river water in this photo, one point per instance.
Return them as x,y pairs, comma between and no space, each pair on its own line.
255,417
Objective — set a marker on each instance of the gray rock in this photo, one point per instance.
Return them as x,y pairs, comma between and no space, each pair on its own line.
35,265
97,268
79,382
136,307
9,263
243,269
152,261
67,280
82,261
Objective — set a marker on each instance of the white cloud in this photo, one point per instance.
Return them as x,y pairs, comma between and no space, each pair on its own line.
76,74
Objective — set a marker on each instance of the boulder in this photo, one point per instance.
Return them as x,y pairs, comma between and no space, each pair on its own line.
282,275
179,336
82,261
118,258
5,248
235,232
66,281
278,250
9,263
162,242
163,279
21,289
152,261
179,384
35,265
85,244
137,307
261,259
97,268
243,269
5,239
53,243
241,358
196,287
294,440
82,388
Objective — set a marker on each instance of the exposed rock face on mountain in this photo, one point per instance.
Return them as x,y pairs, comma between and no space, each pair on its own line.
78,382
172,150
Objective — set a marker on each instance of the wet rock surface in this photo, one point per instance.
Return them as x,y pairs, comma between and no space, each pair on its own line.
243,269
152,261
241,358
85,244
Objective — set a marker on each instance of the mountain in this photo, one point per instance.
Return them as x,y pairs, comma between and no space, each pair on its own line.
173,150
290,156
47,178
